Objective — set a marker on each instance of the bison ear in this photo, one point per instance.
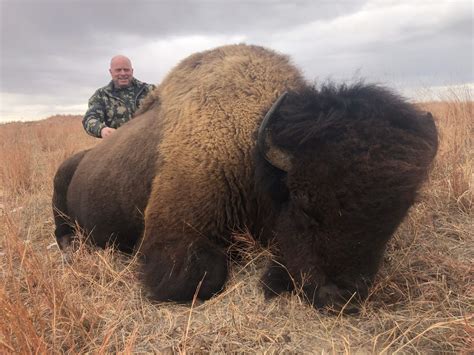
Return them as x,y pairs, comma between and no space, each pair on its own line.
271,152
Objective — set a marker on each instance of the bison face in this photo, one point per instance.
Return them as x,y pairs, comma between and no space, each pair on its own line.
352,160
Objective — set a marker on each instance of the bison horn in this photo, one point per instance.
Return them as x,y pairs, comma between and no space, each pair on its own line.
273,154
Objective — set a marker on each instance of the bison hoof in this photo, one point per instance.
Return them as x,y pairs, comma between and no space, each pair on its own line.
201,270
276,280
68,244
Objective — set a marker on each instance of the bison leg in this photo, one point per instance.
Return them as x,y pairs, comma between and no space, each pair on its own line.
64,227
180,267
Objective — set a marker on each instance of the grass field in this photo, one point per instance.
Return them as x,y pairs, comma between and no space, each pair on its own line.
422,300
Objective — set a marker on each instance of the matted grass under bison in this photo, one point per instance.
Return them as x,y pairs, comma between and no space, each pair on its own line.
422,300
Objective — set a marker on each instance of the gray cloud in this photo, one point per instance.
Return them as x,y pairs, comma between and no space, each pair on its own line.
61,49
42,33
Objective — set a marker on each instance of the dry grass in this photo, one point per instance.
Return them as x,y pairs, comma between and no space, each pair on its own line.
422,302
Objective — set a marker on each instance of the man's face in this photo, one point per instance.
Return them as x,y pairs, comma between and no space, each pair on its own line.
122,72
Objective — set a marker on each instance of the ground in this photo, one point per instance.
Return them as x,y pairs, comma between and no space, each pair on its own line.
422,300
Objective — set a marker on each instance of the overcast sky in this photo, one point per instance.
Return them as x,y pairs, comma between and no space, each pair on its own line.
55,54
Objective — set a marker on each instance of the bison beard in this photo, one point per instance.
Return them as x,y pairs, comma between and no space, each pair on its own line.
328,176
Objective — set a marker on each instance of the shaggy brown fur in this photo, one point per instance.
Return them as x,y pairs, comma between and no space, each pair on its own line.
189,162
357,165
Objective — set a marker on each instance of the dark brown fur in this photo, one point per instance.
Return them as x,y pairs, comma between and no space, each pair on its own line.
186,173
95,189
360,154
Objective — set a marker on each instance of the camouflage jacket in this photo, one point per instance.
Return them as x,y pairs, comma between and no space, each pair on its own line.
112,107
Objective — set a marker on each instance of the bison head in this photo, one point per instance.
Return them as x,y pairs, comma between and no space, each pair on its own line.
348,162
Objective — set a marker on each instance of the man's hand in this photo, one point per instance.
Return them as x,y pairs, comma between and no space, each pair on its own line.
106,131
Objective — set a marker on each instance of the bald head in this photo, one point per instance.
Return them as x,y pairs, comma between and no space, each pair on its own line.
120,59
121,71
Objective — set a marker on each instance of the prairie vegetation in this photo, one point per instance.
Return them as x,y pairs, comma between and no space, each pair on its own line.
422,301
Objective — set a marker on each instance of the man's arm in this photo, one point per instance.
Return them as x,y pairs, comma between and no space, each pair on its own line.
94,119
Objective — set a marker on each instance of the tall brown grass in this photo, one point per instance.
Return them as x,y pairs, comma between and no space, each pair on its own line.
422,301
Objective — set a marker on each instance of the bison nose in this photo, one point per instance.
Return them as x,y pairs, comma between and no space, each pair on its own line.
337,299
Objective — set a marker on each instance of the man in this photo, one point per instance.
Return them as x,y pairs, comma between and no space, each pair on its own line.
114,104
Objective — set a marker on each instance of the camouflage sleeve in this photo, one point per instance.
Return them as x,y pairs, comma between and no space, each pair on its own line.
94,118
149,88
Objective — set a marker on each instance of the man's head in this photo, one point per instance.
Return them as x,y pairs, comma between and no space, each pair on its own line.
121,71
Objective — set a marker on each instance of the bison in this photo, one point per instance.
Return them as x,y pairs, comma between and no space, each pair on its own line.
235,139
